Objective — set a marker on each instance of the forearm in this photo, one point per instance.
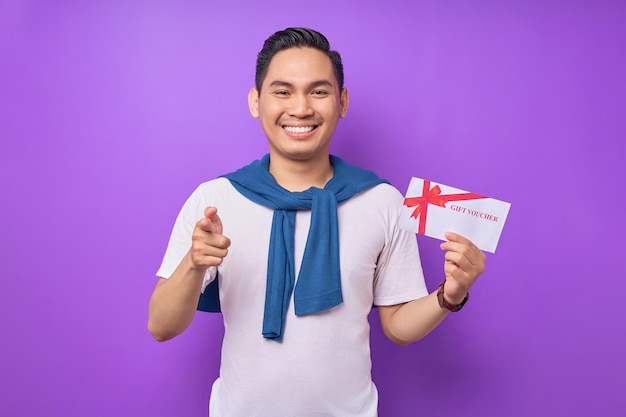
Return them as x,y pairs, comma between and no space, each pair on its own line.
412,321
409,322
174,301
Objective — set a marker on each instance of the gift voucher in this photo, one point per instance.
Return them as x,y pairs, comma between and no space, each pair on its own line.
431,209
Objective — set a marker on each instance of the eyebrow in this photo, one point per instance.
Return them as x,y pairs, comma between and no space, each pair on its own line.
314,84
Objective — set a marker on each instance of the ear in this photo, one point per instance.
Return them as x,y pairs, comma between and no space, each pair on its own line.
344,100
253,102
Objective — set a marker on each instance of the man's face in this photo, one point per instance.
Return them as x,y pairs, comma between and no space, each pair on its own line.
299,104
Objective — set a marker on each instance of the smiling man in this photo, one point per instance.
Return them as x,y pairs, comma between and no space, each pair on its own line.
299,104
303,246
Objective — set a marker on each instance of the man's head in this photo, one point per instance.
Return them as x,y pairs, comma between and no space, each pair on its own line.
295,38
299,98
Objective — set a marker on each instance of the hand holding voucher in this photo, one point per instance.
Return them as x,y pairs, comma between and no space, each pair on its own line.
464,262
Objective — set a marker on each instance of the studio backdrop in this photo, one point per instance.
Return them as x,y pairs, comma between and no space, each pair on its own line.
112,113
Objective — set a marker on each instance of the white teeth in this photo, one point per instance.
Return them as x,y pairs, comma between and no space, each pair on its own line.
298,129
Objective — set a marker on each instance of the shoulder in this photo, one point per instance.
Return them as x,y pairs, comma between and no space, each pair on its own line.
381,204
215,192
221,193
217,184
382,195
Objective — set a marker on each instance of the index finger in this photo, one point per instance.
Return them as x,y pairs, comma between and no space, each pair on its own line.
211,214
455,237
462,245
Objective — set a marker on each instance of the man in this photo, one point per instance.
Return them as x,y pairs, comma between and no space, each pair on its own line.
304,244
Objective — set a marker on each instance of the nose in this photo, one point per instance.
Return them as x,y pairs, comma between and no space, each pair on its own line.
301,106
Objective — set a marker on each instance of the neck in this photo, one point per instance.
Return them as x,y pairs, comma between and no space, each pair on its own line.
301,175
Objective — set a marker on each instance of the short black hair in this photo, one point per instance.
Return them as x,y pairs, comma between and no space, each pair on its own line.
295,38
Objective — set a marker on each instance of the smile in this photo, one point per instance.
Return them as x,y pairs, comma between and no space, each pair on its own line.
299,129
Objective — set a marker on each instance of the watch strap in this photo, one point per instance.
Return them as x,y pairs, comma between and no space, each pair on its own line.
443,303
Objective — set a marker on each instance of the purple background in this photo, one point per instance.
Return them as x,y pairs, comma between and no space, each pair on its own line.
112,113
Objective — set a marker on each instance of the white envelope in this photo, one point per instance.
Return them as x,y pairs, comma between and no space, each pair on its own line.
431,209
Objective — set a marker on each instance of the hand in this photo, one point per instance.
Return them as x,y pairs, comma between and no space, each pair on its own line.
464,262
208,245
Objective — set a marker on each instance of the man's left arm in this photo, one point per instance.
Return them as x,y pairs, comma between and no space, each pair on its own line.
407,323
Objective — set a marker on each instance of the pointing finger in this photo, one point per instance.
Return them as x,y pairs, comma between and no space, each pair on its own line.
211,221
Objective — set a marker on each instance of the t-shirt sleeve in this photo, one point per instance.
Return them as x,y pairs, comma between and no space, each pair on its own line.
180,238
399,277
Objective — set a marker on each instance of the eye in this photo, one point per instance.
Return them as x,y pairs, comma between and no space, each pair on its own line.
281,93
320,92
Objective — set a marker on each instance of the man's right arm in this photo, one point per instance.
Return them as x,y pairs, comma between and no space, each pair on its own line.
174,301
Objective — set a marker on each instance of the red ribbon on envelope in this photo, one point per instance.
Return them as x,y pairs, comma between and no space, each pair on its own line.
433,196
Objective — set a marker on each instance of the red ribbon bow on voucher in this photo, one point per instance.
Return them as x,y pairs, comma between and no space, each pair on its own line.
433,196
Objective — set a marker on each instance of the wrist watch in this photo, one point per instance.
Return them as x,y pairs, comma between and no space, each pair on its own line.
445,304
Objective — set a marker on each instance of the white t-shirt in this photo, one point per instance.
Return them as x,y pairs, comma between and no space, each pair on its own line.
322,367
